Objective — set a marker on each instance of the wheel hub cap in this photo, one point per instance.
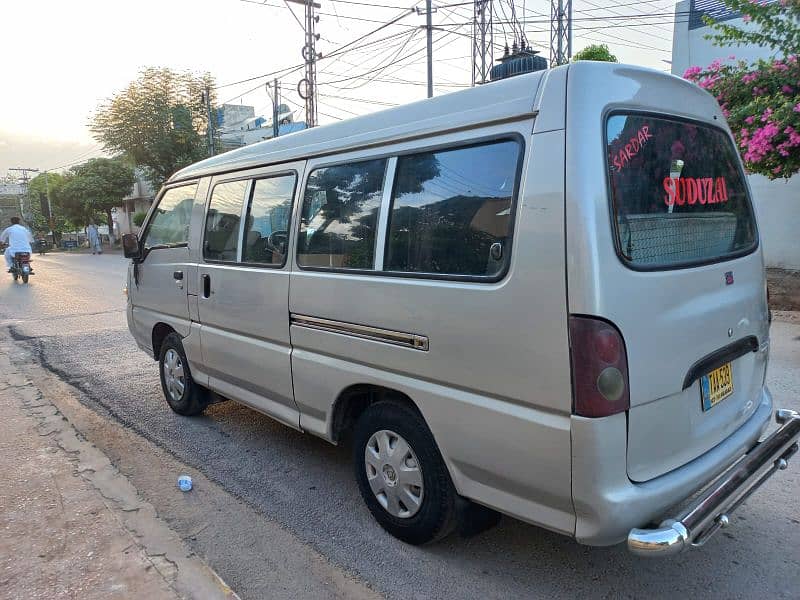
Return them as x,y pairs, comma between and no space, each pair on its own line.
174,377
394,474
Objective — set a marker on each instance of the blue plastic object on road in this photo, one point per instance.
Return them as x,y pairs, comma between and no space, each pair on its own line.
185,483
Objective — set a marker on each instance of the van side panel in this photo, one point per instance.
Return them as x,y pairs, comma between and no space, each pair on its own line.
494,385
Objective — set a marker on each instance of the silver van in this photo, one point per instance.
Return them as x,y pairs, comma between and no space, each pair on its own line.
544,296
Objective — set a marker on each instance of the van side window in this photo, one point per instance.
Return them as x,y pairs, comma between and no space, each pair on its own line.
221,240
340,216
451,211
266,230
169,224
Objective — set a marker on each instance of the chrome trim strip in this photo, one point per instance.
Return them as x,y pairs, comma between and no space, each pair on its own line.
710,512
397,338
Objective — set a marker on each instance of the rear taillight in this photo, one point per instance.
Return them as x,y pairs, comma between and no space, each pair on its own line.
599,368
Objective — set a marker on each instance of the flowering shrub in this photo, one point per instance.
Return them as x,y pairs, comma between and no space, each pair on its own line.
761,101
762,105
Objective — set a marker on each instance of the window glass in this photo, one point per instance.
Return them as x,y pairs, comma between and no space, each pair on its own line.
222,221
340,216
266,230
677,192
170,221
451,211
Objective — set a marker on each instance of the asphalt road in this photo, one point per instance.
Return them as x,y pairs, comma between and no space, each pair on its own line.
72,316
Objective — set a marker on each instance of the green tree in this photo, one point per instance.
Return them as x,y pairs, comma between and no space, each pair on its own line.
159,121
94,188
139,217
39,188
595,52
774,25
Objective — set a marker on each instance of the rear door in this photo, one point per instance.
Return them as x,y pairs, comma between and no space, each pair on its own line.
676,264
683,219
243,290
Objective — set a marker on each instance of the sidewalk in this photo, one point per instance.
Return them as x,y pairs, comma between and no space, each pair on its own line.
72,526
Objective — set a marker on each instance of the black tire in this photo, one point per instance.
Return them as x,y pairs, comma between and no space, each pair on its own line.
25,278
436,515
193,398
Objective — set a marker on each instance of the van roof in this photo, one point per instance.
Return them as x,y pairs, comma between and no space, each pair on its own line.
495,102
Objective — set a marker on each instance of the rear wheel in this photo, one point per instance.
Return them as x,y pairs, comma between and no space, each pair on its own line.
183,395
401,474
25,278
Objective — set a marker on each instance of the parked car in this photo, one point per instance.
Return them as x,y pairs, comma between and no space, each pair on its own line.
544,295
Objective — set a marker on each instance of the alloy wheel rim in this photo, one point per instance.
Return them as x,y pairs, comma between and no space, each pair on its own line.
173,375
394,474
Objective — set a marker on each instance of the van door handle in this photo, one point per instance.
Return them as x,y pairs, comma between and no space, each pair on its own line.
178,277
206,285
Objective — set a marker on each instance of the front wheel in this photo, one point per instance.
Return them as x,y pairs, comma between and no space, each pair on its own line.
183,395
401,474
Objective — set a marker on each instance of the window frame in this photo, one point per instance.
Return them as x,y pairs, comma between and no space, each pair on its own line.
248,200
145,231
378,237
615,234
247,188
384,212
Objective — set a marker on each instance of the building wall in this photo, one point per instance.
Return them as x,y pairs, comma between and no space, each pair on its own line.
777,203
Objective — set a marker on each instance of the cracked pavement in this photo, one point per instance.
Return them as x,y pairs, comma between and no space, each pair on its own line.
72,525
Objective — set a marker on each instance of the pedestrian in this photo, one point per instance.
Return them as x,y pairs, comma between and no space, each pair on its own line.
94,238
18,238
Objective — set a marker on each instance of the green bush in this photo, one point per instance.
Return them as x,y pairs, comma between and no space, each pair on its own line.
138,218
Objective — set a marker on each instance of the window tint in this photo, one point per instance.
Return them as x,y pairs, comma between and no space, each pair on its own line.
221,241
266,230
677,191
451,211
340,216
170,221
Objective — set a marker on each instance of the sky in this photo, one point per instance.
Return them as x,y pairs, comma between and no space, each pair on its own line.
62,59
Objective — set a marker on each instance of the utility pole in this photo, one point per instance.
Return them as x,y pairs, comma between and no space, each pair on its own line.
207,99
560,32
482,42
429,10
276,98
25,179
50,219
307,88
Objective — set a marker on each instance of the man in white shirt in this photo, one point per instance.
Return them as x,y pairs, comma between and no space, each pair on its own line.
18,239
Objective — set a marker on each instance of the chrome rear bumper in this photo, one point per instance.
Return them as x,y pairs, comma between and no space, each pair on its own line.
709,513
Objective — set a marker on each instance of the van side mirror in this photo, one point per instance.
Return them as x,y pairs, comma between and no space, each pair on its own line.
131,247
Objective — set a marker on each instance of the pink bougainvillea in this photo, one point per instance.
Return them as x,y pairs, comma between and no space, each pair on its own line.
762,106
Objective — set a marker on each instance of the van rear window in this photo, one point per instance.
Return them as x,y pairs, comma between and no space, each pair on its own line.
677,191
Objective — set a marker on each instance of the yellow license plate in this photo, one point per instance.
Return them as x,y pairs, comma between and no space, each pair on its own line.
716,386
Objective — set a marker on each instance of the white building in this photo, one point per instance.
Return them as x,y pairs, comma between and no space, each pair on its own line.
777,203
139,200
239,126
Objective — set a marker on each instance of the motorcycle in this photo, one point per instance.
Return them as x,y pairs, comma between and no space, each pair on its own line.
22,266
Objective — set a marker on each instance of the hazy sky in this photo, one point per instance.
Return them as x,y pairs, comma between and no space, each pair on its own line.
61,59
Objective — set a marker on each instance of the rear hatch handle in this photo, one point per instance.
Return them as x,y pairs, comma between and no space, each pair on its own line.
720,357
